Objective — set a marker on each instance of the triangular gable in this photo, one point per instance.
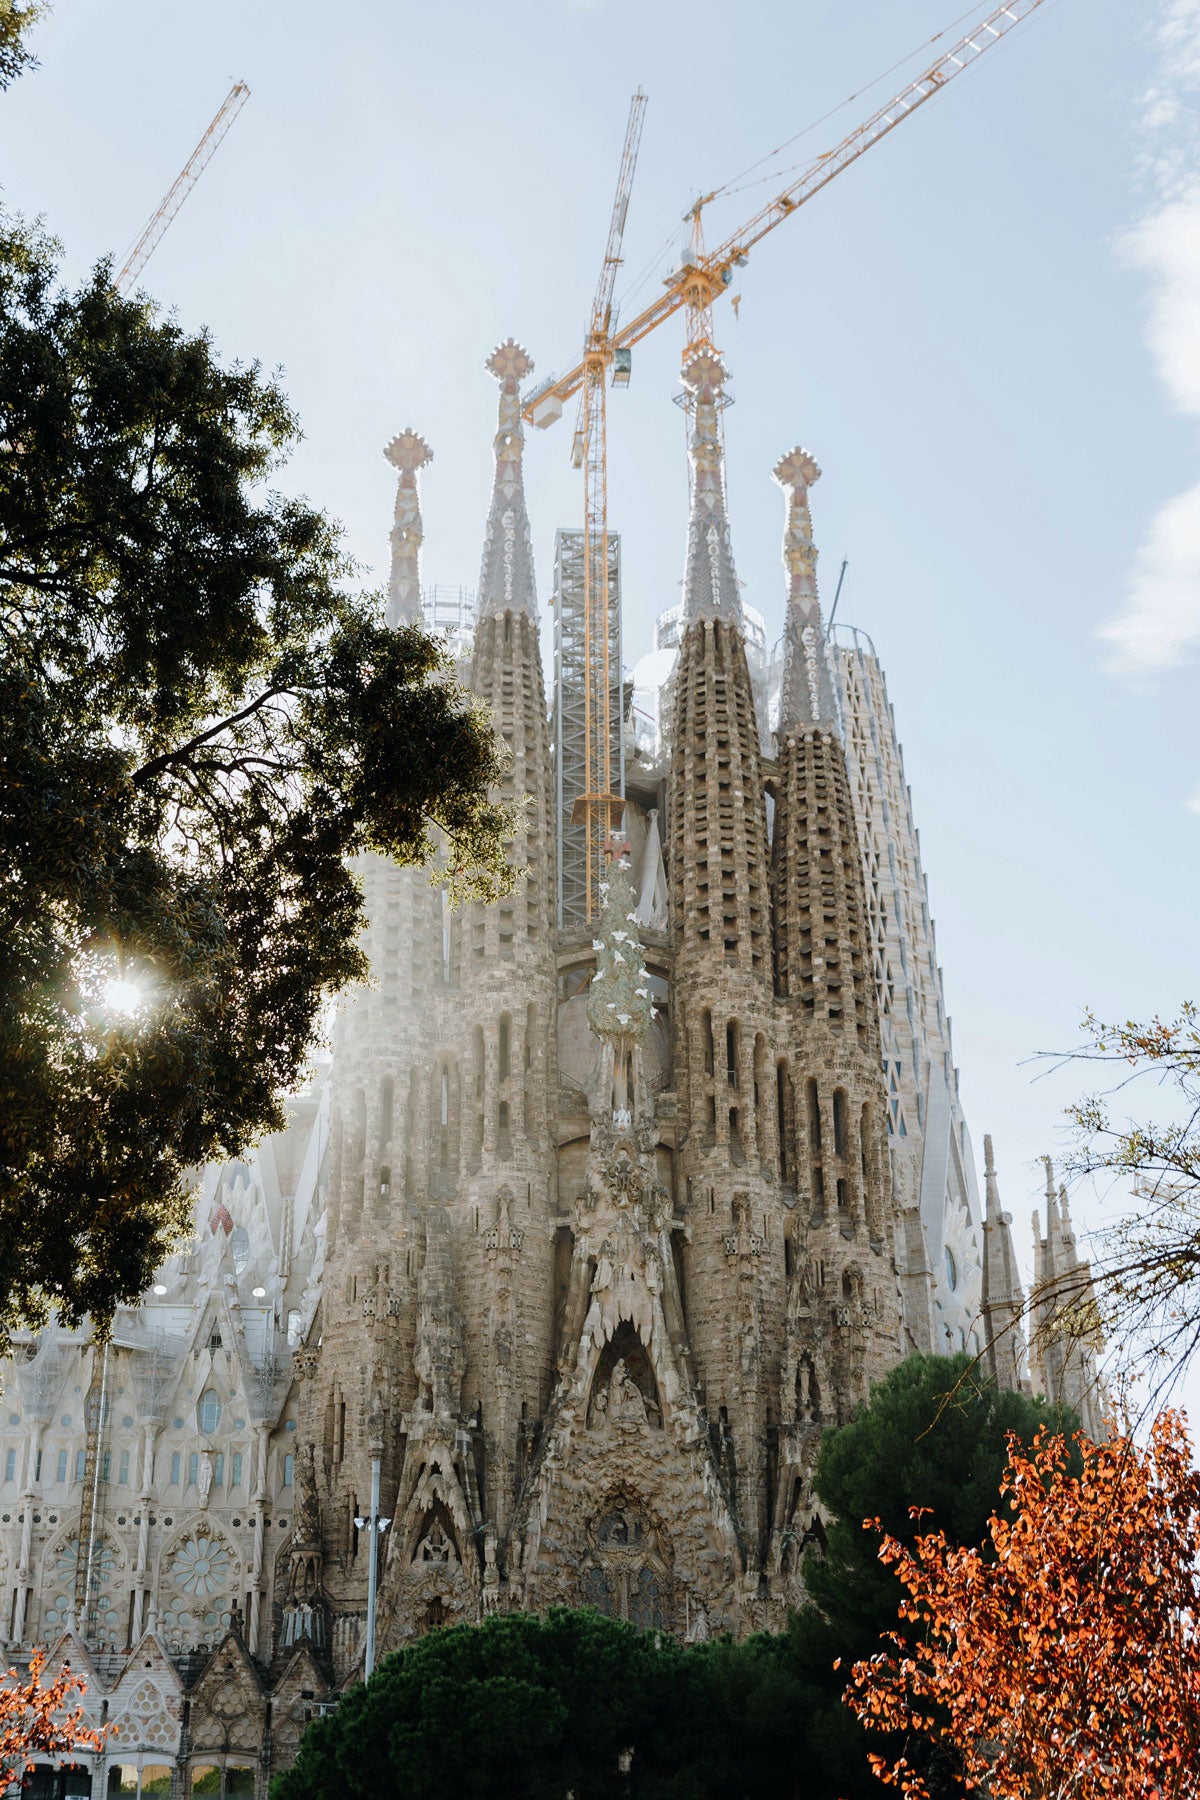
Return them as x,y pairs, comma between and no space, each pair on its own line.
70,1648
149,1656
298,1692
228,1703
146,1704
230,1661
302,1673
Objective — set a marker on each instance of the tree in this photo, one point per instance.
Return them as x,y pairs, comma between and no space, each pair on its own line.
202,726
16,17
32,1720
525,1708
1064,1659
934,1434
1143,1286
515,1706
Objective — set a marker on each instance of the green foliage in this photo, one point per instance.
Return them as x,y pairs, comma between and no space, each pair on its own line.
537,1708
933,1435
202,730
16,16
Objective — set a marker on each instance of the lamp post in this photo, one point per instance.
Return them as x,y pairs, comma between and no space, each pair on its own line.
373,1527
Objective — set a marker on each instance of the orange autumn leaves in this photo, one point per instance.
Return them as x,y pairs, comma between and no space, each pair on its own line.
33,1719
1065,1657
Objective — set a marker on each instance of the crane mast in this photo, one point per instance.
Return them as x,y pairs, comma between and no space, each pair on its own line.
181,187
598,806
699,281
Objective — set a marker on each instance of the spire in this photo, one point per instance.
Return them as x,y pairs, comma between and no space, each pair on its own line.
710,584
807,697
408,453
1003,1300
506,579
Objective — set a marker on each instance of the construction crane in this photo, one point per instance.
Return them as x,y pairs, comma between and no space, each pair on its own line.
703,275
593,807
181,187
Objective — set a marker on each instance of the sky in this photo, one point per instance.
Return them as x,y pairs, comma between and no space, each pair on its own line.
987,331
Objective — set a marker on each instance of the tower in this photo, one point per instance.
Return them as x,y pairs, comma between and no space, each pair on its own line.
481,1214
842,1316
1064,1319
1003,1301
940,1251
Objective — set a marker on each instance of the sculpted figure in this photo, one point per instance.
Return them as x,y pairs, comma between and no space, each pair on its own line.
604,1267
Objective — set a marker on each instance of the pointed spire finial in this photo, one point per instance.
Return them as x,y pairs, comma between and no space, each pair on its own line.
506,579
408,453
807,697
710,583
989,1167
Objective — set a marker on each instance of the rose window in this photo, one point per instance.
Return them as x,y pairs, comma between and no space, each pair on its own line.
201,1566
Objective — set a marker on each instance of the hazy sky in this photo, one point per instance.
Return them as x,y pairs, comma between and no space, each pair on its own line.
987,332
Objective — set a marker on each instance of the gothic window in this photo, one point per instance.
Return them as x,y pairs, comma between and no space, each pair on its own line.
239,1248
289,1470
599,1590
80,1464
62,1466
628,1575
646,1601
10,1465
235,1473
208,1411
123,1469
175,1460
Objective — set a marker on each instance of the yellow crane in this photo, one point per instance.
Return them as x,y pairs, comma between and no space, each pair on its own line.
701,278
595,805
181,187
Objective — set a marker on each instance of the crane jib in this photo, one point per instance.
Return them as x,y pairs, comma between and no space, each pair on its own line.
715,266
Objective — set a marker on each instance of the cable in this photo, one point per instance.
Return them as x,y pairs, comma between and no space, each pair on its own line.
732,185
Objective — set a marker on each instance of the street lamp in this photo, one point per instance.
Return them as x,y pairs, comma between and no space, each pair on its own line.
374,1527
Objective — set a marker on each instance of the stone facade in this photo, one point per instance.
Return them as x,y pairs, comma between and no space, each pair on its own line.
578,1243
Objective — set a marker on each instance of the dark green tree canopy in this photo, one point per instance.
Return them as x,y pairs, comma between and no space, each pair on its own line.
202,728
933,1435
520,1708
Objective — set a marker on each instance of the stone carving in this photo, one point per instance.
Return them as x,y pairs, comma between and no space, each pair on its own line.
435,1546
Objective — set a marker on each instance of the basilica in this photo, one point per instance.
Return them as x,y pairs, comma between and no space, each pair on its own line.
588,1228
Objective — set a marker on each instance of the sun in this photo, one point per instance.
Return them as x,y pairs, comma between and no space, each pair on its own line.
122,996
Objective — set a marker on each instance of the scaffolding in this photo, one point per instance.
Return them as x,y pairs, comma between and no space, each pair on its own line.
450,612
583,821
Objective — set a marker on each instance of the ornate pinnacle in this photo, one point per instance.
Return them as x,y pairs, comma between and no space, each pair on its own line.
510,361
710,580
408,452
807,688
506,578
